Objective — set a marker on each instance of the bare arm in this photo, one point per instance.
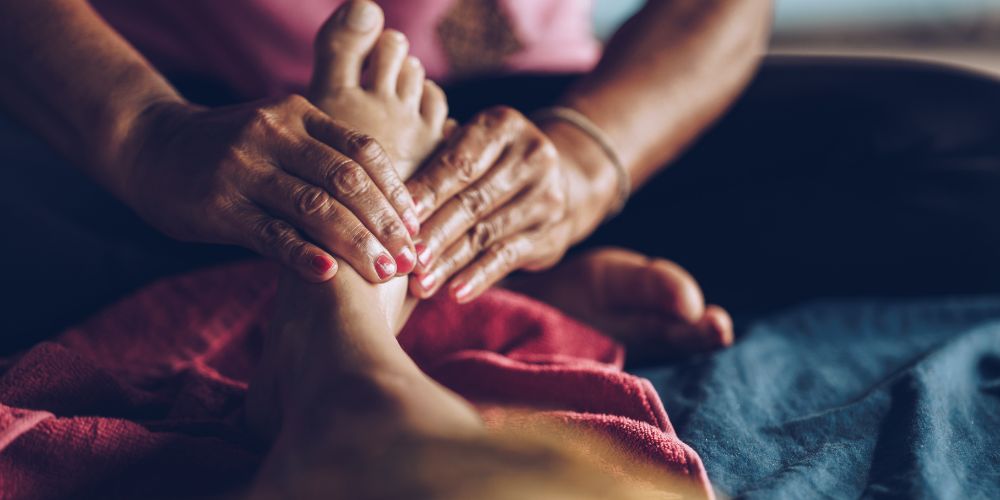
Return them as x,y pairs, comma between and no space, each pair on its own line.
277,176
76,81
666,75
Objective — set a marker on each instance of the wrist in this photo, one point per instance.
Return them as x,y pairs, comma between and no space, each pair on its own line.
593,179
155,120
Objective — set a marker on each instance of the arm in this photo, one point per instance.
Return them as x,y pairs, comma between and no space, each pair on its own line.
277,176
666,75
675,67
73,79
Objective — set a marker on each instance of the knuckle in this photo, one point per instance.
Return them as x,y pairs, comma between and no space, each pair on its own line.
507,253
310,200
475,202
461,164
275,234
398,195
294,101
498,115
555,198
363,147
541,151
359,237
390,226
348,179
483,235
264,119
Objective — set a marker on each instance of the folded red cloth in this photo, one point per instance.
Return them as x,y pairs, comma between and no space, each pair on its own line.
145,399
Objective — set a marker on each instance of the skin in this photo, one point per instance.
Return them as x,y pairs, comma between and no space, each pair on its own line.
277,176
345,409
506,194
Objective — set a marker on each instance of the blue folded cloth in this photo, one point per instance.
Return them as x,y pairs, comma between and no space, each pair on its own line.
848,399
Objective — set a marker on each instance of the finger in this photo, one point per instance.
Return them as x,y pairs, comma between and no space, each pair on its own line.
278,240
427,283
342,44
493,265
348,183
533,250
365,151
518,215
466,158
327,222
506,180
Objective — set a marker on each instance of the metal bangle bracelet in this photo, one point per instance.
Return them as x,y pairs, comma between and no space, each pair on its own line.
580,121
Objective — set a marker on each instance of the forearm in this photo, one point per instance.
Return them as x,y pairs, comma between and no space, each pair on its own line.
665,76
73,79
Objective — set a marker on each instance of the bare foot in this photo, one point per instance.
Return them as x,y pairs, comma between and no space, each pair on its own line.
649,303
391,100
405,114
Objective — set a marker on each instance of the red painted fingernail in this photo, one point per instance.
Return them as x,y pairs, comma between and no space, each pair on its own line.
427,281
405,261
423,255
411,222
461,291
321,264
385,267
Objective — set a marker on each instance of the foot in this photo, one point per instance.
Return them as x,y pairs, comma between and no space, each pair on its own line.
364,77
652,305
334,390
406,114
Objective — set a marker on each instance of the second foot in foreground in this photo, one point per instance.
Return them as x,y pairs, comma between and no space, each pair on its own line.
649,304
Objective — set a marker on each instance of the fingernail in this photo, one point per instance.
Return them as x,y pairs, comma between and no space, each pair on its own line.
411,222
423,254
427,282
385,267
461,291
321,264
361,16
405,261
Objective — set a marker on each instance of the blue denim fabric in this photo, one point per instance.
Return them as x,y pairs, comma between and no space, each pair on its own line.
871,399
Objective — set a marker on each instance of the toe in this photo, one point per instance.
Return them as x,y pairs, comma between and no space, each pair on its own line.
434,105
411,81
720,324
387,61
343,43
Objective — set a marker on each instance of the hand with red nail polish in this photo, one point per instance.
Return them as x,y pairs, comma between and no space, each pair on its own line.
505,194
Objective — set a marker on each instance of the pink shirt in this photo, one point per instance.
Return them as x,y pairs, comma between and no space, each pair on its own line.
264,47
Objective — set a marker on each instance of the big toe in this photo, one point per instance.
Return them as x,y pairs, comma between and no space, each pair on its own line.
633,281
343,42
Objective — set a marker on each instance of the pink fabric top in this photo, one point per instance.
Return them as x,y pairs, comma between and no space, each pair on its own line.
264,47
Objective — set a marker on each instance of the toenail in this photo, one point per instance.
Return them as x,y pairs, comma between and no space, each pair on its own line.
395,36
361,16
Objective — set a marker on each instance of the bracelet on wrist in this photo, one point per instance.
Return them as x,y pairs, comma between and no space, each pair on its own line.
588,127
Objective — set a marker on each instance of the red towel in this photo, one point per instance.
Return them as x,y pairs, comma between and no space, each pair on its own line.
145,399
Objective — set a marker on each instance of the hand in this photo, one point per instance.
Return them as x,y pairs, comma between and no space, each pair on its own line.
279,177
503,195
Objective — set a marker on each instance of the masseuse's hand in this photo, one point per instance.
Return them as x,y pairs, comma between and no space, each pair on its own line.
278,177
504,195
